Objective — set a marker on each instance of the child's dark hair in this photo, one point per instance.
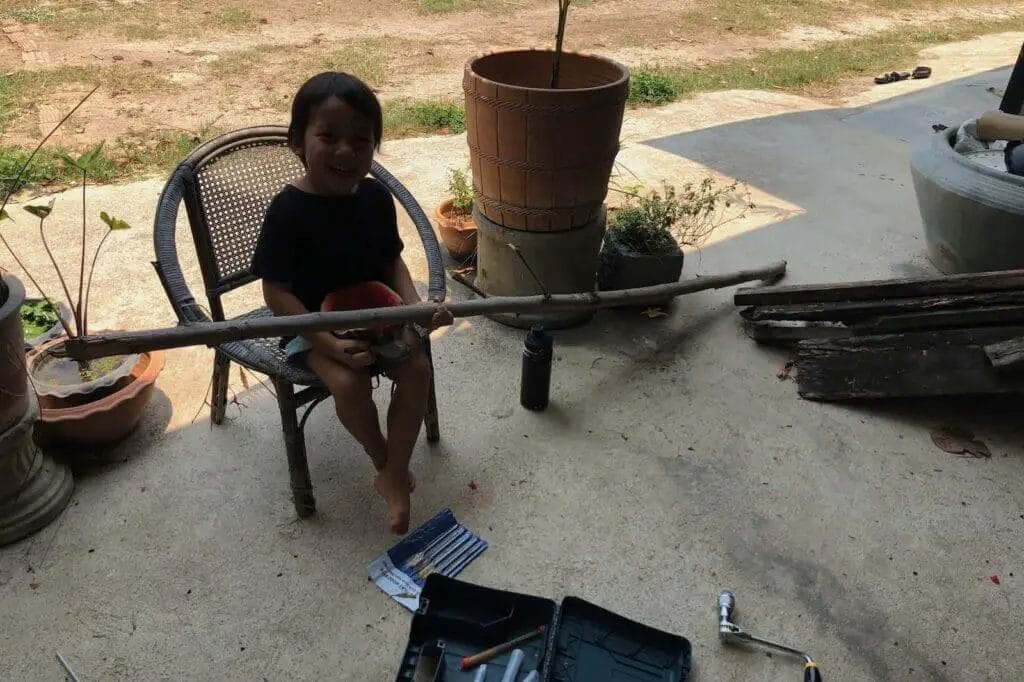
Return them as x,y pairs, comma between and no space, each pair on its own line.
322,87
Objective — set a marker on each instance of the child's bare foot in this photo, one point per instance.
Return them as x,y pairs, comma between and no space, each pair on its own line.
396,494
380,468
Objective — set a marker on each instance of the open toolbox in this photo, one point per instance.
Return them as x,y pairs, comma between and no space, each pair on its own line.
581,642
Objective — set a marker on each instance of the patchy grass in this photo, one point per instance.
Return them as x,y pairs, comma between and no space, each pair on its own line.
19,89
440,6
406,118
232,19
29,15
762,17
653,87
809,71
368,60
125,158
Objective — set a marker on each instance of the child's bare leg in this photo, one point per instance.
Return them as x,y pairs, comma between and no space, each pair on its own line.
405,416
353,401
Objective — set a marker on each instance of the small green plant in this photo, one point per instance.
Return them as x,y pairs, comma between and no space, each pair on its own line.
461,191
652,87
37,317
658,222
441,115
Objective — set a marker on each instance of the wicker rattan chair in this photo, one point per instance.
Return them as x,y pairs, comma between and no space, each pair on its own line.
226,185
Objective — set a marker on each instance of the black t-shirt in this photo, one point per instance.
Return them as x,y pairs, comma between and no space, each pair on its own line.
316,244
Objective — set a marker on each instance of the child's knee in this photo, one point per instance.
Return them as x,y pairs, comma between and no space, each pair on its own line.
341,381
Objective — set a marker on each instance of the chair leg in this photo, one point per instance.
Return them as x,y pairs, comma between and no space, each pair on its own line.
219,399
430,419
295,447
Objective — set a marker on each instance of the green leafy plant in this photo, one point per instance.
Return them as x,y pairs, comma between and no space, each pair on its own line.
656,223
461,192
653,87
85,164
38,317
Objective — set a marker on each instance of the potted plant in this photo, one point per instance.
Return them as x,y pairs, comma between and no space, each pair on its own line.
454,217
543,132
642,246
88,402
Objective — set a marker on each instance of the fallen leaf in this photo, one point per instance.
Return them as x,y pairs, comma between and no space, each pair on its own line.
147,62
994,578
473,485
783,373
264,20
118,58
654,313
958,441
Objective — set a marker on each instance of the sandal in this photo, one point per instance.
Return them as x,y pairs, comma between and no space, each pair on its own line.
892,77
921,72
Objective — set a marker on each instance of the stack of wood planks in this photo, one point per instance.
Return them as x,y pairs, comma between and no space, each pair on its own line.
956,335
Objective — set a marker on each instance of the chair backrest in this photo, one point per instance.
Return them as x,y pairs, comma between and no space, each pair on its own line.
227,198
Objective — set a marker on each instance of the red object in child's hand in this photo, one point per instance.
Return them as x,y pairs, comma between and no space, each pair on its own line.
362,296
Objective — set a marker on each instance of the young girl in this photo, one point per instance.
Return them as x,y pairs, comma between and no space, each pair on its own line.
336,229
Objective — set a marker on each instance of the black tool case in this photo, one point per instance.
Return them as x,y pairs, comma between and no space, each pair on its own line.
582,642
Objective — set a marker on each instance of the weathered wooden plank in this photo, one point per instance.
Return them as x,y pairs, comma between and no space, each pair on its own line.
850,311
789,336
952,362
1007,356
972,317
972,283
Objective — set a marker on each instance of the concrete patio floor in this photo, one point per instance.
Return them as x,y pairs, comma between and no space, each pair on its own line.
671,464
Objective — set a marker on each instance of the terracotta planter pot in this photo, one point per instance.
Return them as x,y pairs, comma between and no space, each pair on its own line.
542,156
104,417
457,232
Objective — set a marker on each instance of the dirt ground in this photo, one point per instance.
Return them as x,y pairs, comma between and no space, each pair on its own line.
199,66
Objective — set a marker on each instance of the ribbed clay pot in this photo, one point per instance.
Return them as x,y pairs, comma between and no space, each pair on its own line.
103,416
542,156
457,232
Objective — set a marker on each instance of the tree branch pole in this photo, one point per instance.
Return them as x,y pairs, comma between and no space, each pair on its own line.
216,333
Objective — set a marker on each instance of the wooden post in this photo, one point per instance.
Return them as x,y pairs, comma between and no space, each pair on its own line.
216,333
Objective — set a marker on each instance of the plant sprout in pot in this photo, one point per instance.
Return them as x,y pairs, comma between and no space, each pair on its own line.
454,217
96,401
642,246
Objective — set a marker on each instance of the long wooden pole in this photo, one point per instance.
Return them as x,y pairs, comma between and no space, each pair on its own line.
216,333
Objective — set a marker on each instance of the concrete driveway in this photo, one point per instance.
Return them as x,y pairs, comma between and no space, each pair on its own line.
672,463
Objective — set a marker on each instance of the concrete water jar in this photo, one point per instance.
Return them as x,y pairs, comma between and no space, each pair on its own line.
34,488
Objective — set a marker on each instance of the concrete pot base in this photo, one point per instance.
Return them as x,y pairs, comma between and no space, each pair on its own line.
35,488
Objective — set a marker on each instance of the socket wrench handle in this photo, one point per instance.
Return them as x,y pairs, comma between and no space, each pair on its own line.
811,672
726,605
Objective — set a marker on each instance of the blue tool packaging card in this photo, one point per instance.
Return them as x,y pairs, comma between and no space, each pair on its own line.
442,545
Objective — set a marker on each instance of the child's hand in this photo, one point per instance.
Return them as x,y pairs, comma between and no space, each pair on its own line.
355,354
442,318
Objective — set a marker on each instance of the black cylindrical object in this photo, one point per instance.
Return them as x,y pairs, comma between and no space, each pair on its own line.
536,381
